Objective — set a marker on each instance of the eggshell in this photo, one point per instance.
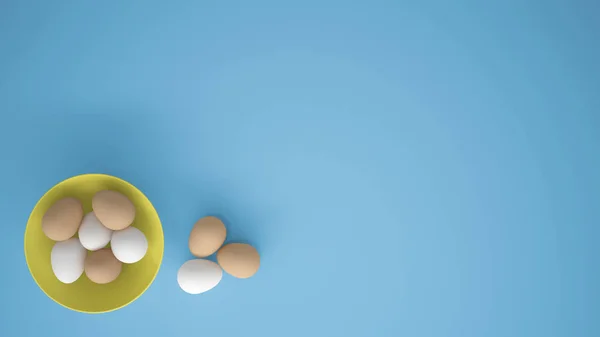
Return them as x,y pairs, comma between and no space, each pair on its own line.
62,219
239,259
113,209
129,245
208,234
198,276
92,234
67,260
102,266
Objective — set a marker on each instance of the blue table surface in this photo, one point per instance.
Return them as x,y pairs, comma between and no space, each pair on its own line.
404,168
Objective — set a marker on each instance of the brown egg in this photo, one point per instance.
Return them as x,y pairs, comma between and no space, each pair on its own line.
207,236
113,209
62,219
239,259
102,266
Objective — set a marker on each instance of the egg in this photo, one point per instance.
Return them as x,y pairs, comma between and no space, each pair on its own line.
129,245
198,276
102,266
208,234
239,259
92,234
113,209
67,259
62,219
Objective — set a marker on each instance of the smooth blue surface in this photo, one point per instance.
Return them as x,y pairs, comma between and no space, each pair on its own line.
426,168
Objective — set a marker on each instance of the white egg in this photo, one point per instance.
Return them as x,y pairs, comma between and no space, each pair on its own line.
198,276
129,245
67,259
92,233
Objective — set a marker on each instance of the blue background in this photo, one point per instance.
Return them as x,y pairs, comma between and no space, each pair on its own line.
426,168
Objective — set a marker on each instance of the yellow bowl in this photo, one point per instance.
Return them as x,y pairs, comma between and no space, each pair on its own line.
83,295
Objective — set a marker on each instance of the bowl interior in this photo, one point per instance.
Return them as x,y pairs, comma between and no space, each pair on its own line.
84,295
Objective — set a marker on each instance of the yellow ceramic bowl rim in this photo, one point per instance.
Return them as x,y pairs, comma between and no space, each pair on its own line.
38,283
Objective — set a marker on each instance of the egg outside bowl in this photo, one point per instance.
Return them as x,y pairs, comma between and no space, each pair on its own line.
83,295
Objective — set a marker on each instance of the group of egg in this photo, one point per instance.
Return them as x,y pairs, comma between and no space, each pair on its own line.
237,259
109,222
